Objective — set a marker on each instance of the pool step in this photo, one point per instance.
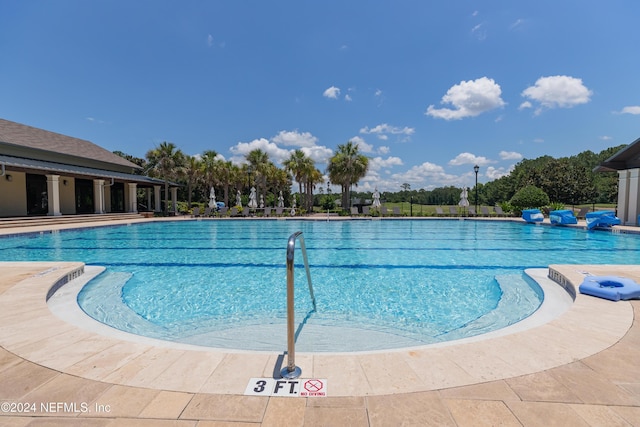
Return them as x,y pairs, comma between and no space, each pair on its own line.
37,221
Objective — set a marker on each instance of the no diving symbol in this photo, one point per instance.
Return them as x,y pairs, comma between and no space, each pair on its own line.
313,388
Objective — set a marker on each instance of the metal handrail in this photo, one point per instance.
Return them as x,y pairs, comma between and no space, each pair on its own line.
291,371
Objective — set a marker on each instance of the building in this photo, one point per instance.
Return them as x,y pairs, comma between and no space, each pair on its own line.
627,163
46,173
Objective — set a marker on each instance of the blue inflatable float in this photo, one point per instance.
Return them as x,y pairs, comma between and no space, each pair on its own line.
562,217
610,287
532,215
602,219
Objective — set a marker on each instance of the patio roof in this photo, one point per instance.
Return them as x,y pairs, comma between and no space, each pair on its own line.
32,165
626,158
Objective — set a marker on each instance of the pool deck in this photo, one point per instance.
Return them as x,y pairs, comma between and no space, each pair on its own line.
580,369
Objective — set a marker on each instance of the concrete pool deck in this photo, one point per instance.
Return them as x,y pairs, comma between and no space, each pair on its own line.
581,368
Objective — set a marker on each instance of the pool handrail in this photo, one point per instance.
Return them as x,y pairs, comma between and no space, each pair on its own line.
291,371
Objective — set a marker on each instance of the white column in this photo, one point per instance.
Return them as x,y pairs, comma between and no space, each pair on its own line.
157,198
623,195
132,197
632,197
53,194
174,199
148,191
98,195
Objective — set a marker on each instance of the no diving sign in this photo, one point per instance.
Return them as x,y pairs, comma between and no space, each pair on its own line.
300,387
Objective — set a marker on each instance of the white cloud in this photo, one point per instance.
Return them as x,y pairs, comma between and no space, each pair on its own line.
295,139
510,155
518,22
479,32
525,104
275,153
606,138
557,92
384,130
332,92
378,163
495,173
383,150
347,97
469,159
209,40
318,153
362,144
469,99
632,109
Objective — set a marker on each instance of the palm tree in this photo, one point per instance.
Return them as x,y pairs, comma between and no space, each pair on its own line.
299,165
259,164
192,171
346,167
312,177
165,161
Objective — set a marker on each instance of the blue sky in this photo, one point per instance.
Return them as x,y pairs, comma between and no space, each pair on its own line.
427,89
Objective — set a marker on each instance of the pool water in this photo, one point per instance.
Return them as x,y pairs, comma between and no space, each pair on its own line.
378,284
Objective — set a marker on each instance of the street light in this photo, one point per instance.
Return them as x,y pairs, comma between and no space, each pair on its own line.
476,168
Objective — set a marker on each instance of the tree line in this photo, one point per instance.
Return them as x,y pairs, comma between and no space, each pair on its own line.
565,181
198,174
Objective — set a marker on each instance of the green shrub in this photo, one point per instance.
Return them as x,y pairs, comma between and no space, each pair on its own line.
529,197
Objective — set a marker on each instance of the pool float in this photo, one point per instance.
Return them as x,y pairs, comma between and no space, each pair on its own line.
562,217
532,215
610,287
601,219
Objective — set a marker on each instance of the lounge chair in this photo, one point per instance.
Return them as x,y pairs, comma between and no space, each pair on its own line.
207,211
267,211
439,211
196,212
366,210
354,210
396,211
279,211
498,210
471,210
453,210
384,211
485,211
234,211
582,213
223,211
245,211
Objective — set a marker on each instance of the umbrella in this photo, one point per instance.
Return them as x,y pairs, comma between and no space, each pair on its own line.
238,199
280,200
376,199
464,201
212,198
252,199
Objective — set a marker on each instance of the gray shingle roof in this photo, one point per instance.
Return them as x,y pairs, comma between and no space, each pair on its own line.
40,139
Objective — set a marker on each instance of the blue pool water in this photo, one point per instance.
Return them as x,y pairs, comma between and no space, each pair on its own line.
378,284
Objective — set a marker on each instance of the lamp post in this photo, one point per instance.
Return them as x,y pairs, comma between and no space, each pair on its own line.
476,168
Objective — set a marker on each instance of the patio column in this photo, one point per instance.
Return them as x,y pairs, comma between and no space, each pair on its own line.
633,207
148,191
623,195
157,198
132,197
98,195
174,200
53,194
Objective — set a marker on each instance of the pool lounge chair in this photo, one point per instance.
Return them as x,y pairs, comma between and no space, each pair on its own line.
267,211
453,210
245,211
196,212
207,211
439,211
366,210
384,211
498,210
485,211
582,213
354,211
396,211
234,211
279,211
471,211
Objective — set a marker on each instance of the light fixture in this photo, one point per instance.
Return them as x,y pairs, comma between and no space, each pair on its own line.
9,178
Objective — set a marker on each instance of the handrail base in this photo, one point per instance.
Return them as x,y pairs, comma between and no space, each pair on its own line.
290,375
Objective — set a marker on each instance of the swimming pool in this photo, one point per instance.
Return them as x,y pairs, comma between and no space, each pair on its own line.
378,284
